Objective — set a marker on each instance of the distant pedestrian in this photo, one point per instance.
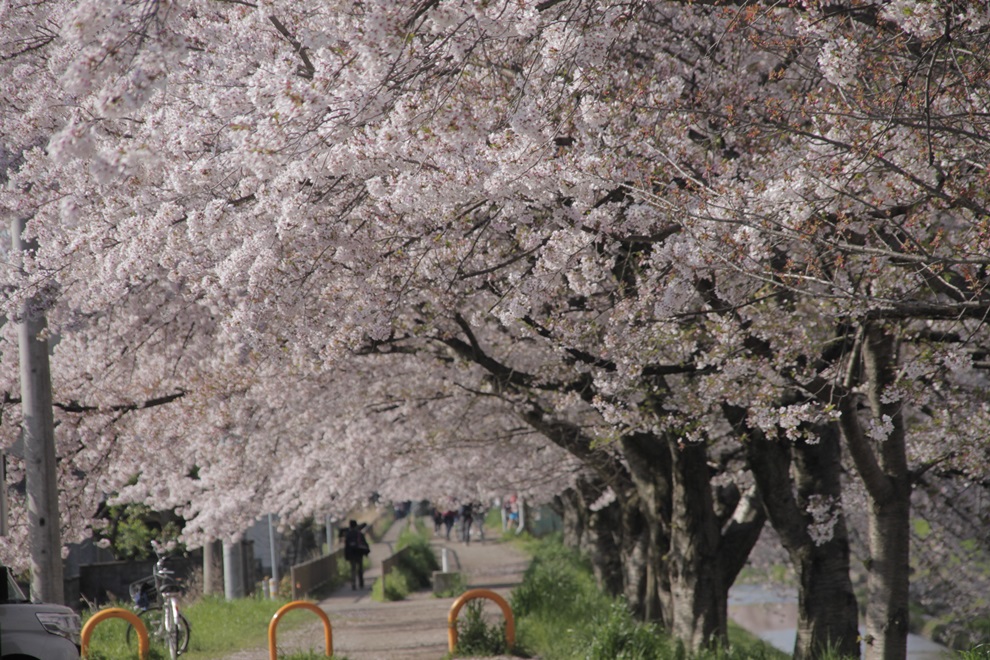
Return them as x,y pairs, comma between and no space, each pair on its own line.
467,517
514,513
481,512
449,516
437,521
355,550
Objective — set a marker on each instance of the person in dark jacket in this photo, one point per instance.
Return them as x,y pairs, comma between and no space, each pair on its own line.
437,520
449,516
467,517
355,550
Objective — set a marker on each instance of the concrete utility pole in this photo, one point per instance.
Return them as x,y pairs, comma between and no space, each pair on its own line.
233,570
212,567
39,446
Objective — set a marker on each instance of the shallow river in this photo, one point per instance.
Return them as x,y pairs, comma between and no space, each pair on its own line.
771,614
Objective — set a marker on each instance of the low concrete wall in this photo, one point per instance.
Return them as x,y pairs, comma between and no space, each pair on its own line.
445,583
314,574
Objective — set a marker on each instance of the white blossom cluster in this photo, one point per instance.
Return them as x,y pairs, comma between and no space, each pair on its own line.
368,246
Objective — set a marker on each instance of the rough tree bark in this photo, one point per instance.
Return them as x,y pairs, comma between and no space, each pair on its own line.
597,534
881,462
889,490
699,595
789,475
649,467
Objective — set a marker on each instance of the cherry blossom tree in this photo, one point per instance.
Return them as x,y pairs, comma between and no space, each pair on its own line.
647,231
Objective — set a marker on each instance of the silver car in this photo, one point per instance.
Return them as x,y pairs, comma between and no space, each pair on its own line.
35,631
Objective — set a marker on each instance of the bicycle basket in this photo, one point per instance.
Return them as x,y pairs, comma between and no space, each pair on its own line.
143,593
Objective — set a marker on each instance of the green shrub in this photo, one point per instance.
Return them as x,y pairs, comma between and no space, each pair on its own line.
561,614
456,588
557,584
619,637
417,560
395,585
413,570
981,652
475,637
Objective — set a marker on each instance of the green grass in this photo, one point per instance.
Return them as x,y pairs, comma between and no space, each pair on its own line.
561,614
217,626
457,587
414,570
493,519
475,637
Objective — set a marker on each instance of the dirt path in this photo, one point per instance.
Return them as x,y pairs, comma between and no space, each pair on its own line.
412,629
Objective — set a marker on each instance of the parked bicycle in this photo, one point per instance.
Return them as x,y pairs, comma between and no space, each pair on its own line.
157,600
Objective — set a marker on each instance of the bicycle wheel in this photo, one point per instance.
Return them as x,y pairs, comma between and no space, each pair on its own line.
154,621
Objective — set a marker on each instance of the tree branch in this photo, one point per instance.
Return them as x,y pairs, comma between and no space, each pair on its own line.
75,407
306,69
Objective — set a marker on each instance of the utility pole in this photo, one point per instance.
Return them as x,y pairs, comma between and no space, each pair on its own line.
273,549
212,567
233,570
39,444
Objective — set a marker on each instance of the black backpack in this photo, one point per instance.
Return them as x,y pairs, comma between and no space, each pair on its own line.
354,539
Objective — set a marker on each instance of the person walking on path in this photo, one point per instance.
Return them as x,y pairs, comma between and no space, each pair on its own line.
437,520
449,516
356,548
467,517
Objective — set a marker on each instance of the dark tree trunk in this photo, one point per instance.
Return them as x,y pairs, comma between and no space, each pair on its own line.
827,610
882,464
596,534
691,552
649,463
606,548
636,556
573,518
698,615
829,614
890,507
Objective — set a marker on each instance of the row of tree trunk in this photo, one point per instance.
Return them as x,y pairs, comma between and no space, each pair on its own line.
672,544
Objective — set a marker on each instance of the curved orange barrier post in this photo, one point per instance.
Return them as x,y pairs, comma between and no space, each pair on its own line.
455,609
116,613
294,605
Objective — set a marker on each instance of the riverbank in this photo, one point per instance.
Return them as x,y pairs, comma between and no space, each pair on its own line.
770,613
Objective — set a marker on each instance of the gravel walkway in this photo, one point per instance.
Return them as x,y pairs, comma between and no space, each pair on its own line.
411,629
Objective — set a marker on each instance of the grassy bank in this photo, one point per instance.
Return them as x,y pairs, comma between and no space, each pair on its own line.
414,569
561,614
217,626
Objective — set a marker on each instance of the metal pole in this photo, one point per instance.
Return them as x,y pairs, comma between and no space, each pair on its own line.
329,529
39,445
3,496
273,548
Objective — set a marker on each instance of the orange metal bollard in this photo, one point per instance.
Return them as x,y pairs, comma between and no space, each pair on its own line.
116,613
298,604
510,623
